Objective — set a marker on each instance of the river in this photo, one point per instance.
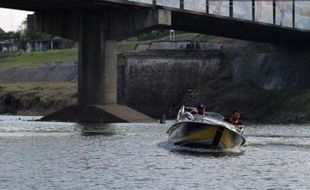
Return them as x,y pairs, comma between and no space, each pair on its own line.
55,155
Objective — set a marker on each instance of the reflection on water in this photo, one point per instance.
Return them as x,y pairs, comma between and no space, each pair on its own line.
55,155
98,129
191,151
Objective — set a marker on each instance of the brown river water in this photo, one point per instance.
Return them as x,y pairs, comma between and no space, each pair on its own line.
55,155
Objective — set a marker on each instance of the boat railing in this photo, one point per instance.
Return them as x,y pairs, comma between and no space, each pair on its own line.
212,118
186,116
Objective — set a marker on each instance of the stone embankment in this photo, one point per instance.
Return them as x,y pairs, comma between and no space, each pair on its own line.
265,82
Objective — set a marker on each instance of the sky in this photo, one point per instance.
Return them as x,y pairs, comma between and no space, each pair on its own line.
10,19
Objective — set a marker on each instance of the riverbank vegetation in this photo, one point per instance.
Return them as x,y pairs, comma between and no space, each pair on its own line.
220,94
257,105
35,59
36,98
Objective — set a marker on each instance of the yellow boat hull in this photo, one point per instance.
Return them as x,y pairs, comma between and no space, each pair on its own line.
204,135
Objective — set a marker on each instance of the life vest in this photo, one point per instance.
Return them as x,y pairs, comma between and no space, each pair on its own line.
234,121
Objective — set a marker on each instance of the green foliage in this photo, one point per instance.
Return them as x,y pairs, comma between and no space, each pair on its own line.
155,34
24,35
190,36
28,35
35,59
1,31
10,35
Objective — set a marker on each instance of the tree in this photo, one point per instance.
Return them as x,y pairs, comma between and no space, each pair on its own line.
1,31
27,35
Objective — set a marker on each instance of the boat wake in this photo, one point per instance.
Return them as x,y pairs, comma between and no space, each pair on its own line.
278,141
33,128
237,151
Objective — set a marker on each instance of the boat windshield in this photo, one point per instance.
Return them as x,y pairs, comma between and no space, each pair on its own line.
215,115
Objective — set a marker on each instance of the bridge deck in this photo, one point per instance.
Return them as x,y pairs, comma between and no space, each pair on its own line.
194,21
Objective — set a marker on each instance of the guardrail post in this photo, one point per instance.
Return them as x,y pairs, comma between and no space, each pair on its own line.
293,13
182,4
253,10
274,11
231,8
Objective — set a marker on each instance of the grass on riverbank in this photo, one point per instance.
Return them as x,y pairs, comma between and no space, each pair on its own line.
36,98
37,86
35,59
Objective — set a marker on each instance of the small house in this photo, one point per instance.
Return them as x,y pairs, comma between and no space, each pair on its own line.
50,43
8,46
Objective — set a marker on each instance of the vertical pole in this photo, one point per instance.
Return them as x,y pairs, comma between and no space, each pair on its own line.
181,4
231,8
52,44
207,6
163,118
154,2
293,14
274,11
109,90
253,10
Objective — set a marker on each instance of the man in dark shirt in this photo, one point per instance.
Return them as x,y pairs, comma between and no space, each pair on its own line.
234,118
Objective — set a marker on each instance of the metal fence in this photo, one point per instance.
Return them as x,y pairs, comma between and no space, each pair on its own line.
283,13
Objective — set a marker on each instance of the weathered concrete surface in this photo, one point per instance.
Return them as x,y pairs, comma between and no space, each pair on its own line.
155,79
265,82
260,79
274,70
269,67
98,114
97,63
182,20
51,72
97,33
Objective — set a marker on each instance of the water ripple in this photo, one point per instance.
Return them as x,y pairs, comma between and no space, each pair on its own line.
44,155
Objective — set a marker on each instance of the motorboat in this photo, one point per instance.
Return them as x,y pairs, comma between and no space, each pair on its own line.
204,131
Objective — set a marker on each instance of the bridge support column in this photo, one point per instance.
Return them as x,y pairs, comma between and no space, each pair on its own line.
97,79
97,33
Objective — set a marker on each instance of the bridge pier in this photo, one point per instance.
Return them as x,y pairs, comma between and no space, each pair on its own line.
97,67
97,70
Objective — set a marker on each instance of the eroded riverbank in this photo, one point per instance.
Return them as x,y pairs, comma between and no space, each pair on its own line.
30,98
267,83
257,105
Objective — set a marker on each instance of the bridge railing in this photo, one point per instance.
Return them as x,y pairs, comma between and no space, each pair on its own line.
293,14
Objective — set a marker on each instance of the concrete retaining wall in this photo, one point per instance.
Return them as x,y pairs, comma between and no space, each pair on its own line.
52,72
162,78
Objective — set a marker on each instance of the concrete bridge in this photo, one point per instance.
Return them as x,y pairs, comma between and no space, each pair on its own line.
98,24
